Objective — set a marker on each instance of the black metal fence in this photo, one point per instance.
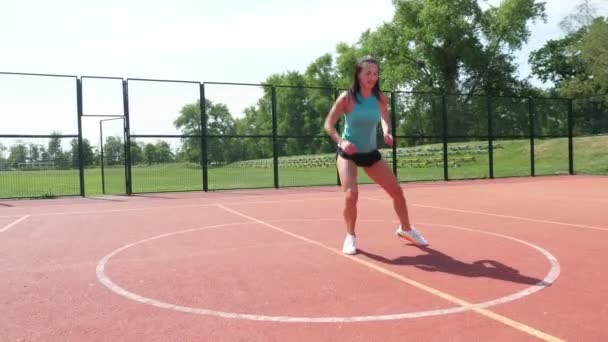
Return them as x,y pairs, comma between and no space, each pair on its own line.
168,135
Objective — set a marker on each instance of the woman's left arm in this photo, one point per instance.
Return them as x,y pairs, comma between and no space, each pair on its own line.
386,120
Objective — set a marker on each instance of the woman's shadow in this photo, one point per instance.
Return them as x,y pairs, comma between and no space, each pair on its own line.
435,261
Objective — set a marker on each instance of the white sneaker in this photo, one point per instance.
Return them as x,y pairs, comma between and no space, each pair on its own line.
412,235
349,245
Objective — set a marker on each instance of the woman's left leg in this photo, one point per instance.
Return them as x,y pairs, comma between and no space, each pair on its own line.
383,176
381,173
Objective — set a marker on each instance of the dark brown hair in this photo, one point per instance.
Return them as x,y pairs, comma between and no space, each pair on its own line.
356,88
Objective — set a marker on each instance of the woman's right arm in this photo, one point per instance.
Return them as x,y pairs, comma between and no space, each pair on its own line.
332,117
342,105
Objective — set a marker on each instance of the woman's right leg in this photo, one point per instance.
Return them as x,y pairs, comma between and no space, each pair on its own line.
348,178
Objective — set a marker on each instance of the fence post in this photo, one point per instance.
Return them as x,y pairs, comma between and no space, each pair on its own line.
127,137
444,114
80,147
490,137
570,137
394,132
275,147
531,118
203,130
103,177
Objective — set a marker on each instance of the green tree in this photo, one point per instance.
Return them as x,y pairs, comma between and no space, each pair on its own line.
44,154
164,153
321,73
54,146
220,124
34,154
137,153
60,158
113,151
157,153
594,53
150,153
3,163
576,64
17,154
257,121
302,102
559,61
450,46
88,155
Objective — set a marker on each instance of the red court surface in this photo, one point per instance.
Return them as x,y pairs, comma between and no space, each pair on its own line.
509,260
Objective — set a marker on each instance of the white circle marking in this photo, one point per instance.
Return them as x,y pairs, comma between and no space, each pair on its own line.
551,276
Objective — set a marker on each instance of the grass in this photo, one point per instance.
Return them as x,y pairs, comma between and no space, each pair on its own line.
466,160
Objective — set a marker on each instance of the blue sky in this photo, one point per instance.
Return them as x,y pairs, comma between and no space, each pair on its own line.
227,41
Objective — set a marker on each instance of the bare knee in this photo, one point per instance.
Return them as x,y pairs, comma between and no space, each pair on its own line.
351,195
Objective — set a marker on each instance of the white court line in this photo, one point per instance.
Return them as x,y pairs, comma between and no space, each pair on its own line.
463,303
8,226
320,198
498,215
595,200
157,207
98,201
107,281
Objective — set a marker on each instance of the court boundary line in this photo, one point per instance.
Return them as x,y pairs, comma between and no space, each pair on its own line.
321,198
470,306
137,198
555,197
494,215
157,207
14,223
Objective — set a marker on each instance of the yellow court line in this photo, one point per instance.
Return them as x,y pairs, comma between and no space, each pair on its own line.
484,312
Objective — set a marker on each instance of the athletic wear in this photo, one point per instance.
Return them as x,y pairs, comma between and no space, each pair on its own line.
362,159
412,235
349,245
361,124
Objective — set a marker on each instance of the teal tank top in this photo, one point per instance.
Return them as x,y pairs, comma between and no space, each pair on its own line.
362,124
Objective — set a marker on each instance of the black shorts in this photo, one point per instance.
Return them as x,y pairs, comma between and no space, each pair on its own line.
366,159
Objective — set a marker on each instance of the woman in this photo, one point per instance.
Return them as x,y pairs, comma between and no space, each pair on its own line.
364,106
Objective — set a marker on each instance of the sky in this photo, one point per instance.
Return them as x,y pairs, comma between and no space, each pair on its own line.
211,41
